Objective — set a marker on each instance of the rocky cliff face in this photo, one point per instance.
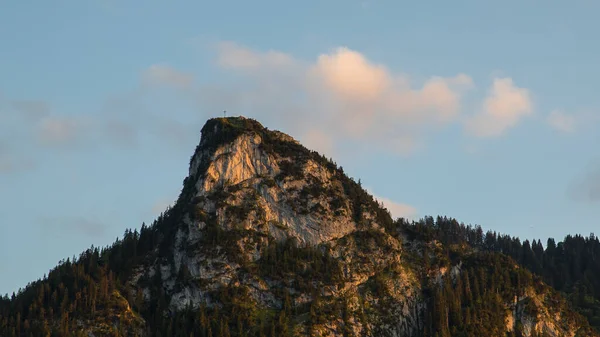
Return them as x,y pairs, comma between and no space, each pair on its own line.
282,225
257,189
243,176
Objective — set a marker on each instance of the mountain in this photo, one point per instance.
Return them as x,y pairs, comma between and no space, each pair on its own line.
268,238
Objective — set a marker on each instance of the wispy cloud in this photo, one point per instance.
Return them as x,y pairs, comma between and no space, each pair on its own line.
28,121
119,122
570,122
61,130
561,121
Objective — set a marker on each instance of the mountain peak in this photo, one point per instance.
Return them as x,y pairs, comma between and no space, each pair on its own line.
285,189
220,130
230,125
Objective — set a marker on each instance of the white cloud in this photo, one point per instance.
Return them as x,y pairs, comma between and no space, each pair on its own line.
342,94
503,108
158,74
339,101
561,121
351,76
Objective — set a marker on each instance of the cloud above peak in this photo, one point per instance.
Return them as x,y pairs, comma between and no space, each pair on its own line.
340,96
337,102
351,76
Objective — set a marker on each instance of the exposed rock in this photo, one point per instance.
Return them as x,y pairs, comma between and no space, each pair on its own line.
249,189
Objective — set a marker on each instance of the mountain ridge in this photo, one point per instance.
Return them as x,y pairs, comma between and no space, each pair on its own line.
270,238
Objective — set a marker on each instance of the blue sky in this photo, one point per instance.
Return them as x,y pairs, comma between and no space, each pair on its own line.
486,111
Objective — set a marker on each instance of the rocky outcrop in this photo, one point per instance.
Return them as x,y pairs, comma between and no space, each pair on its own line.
254,195
244,177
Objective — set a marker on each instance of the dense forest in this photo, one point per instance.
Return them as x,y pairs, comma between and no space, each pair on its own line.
570,266
79,289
